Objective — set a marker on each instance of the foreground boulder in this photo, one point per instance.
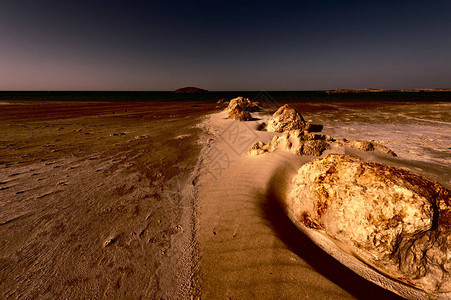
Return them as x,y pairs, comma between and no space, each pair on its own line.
313,144
287,118
394,220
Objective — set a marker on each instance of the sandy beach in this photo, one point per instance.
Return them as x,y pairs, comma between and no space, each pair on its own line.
161,200
93,201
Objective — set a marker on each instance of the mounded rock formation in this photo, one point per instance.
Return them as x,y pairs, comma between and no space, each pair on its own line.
394,220
243,104
368,90
365,145
239,109
287,118
314,144
296,141
239,115
222,103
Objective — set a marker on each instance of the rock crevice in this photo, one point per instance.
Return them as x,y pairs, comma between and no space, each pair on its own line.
393,219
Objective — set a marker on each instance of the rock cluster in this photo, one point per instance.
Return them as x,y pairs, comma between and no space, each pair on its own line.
395,220
313,144
295,141
239,109
287,118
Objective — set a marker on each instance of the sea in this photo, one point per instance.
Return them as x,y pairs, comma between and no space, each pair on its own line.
263,96
416,125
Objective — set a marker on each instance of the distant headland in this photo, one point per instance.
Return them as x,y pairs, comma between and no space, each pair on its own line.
371,90
190,89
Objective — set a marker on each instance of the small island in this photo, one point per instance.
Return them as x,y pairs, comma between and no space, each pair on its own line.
190,89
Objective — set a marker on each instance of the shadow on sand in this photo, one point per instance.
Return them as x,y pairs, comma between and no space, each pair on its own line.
302,246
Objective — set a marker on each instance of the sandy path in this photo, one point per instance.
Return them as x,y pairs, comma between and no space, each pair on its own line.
248,247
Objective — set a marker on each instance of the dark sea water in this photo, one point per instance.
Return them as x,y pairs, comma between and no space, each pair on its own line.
270,96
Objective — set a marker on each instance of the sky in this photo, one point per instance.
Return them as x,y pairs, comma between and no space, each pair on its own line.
224,45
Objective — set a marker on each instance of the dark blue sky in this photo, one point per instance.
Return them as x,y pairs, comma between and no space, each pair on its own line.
224,45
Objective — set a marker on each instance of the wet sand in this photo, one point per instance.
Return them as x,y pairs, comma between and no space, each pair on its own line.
95,203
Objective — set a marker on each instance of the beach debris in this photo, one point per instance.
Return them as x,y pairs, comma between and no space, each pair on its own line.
109,240
397,221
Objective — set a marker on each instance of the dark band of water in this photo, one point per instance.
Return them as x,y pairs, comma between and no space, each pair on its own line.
275,96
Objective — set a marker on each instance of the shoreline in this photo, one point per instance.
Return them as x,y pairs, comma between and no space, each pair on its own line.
92,202
131,203
259,259
243,231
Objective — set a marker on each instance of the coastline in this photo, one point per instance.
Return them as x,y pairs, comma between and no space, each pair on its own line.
248,246
126,199
96,203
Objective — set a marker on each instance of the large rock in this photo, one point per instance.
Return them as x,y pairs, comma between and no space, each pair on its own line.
239,115
243,104
240,107
287,118
394,220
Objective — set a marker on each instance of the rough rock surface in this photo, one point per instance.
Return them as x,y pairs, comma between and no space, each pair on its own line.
314,144
240,107
240,115
244,104
365,145
296,141
287,118
395,220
